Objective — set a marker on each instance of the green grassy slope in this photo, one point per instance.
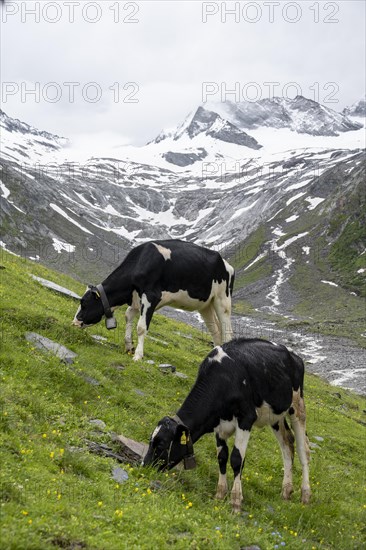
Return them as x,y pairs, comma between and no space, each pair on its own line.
55,494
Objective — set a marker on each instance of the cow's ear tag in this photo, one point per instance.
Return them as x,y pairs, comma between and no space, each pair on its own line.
97,294
183,439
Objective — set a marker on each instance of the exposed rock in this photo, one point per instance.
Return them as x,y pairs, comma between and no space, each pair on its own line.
119,367
166,367
56,288
156,485
103,450
89,379
119,475
45,344
134,450
186,336
357,109
158,340
180,375
99,339
213,125
98,423
184,159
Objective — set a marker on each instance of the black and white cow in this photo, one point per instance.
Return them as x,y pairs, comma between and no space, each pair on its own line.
244,383
159,273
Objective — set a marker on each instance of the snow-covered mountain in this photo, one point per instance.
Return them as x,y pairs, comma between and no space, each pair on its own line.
22,142
300,115
209,181
358,109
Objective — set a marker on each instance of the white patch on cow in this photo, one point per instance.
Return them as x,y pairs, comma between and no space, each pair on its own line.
229,268
219,355
241,441
76,321
226,428
141,328
181,300
266,416
165,252
155,432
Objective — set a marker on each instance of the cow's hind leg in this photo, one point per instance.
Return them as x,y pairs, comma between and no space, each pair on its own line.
222,305
298,423
147,310
209,316
222,457
237,459
285,438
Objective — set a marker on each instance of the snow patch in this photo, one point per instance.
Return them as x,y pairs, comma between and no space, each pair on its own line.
256,260
329,283
4,190
242,210
314,202
68,218
292,218
299,185
59,246
295,198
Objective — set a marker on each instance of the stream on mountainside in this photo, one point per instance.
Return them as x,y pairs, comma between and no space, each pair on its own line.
339,361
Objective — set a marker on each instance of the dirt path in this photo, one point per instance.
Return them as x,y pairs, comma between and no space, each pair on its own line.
338,360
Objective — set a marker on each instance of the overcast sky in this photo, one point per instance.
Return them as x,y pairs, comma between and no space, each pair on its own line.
134,68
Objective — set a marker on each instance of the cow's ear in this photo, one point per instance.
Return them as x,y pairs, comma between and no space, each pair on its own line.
94,290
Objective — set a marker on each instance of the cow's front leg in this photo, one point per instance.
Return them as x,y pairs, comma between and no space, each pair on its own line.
147,310
222,457
237,462
131,313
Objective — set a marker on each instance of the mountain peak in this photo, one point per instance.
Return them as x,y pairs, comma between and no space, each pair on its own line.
206,122
300,114
358,109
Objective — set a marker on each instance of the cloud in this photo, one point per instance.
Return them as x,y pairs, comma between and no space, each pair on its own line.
149,74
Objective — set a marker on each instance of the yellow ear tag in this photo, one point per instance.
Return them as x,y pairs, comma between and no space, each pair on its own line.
183,439
97,293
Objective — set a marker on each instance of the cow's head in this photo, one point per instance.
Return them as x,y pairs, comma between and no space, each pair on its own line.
90,310
170,443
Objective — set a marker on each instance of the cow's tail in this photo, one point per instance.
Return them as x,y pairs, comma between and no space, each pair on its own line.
299,372
231,272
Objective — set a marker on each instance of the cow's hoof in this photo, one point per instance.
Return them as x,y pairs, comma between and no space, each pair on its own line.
305,496
236,507
130,350
137,357
287,491
221,494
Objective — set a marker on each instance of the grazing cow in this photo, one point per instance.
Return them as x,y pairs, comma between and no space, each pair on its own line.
244,383
159,273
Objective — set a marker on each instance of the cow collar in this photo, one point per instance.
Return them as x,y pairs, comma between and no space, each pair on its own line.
110,321
189,458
